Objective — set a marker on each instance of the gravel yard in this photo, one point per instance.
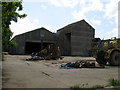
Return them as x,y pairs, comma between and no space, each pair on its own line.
19,73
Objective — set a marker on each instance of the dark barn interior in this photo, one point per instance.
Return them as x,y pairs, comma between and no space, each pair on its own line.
35,46
68,43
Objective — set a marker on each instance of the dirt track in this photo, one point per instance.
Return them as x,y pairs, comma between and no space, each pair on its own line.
18,73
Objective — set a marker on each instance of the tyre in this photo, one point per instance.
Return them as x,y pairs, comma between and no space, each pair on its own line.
115,58
100,58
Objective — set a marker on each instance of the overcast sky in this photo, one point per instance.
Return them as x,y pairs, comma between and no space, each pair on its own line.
55,14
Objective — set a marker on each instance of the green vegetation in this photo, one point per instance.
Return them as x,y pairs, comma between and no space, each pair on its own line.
97,86
114,82
90,88
111,82
117,88
75,87
9,13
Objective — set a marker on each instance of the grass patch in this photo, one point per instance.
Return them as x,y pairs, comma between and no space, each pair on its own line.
75,87
90,88
117,87
114,82
97,87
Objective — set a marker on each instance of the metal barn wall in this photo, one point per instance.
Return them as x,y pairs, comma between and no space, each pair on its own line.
32,36
63,42
20,47
81,38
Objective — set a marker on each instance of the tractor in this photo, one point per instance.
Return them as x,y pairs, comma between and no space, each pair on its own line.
106,51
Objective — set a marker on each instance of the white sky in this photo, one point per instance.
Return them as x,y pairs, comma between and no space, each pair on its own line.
55,14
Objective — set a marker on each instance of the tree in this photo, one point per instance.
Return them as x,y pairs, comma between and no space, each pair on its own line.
9,13
96,39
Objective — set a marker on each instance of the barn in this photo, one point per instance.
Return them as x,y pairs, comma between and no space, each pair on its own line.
33,41
74,39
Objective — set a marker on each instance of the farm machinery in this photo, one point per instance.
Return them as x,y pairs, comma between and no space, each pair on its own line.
106,51
52,51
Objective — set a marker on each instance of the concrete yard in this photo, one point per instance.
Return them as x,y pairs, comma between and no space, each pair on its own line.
18,73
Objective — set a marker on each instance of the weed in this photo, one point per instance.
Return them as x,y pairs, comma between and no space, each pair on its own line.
114,82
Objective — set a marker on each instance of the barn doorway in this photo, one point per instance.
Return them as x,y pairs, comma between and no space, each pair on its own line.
35,46
68,43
